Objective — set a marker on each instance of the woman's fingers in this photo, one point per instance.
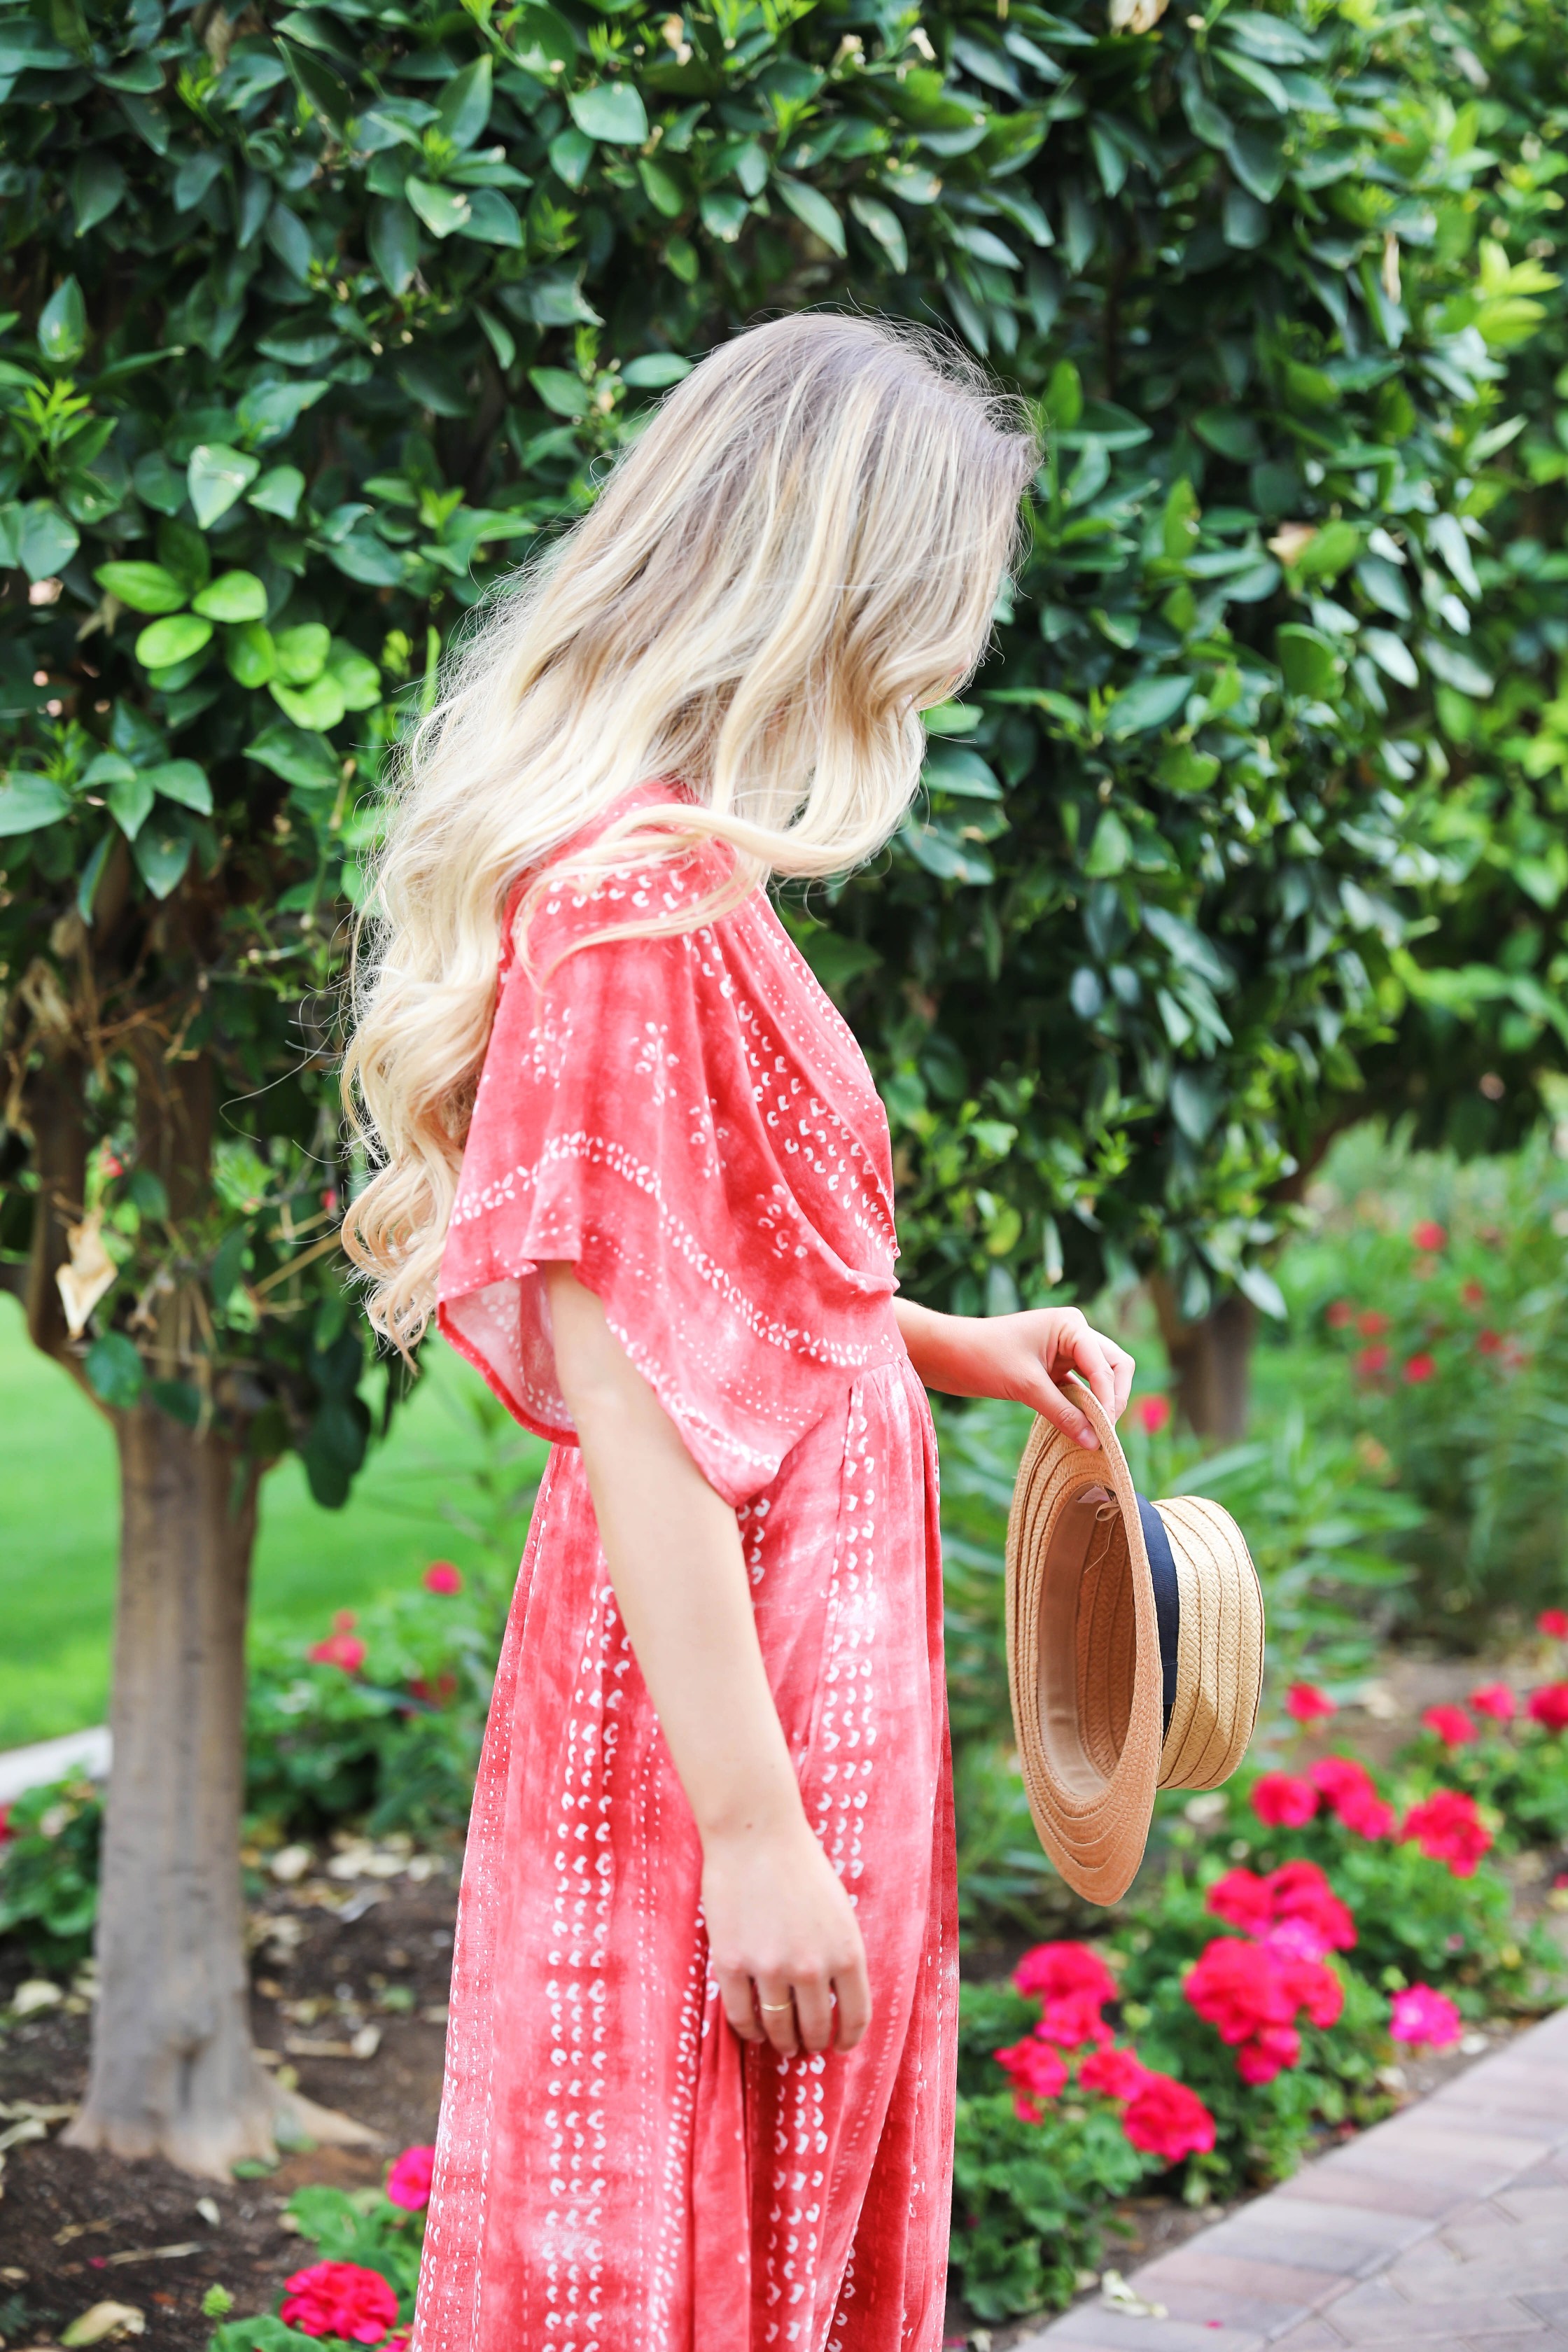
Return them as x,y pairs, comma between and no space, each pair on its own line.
1048,1401
740,2004
853,1994
814,2013
775,2007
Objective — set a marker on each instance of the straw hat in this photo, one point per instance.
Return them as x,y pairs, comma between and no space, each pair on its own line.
1134,1650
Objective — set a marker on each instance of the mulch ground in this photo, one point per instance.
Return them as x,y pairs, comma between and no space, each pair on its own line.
79,2229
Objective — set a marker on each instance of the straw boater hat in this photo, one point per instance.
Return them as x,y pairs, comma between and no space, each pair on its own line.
1134,1650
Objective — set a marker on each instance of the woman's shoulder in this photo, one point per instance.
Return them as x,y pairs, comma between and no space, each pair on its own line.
585,886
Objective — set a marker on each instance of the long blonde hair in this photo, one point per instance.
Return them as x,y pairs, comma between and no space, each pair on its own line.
800,554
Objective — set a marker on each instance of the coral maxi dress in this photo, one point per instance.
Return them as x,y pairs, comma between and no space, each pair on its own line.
688,1121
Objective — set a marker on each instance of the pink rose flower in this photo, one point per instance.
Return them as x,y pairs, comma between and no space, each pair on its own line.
1427,2018
1308,1703
408,2182
1056,1971
1035,2071
340,2299
442,1577
1421,1367
1152,1413
1428,1235
1553,1623
1447,1828
1495,1699
1549,1706
1283,1801
1165,2119
1451,1724
1114,2073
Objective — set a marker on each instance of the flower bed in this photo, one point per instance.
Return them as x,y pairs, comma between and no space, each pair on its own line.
1311,1927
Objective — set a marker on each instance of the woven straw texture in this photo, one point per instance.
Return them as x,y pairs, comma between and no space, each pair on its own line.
1083,1653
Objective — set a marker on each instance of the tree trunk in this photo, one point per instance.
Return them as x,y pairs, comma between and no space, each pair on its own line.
1211,1361
173,2073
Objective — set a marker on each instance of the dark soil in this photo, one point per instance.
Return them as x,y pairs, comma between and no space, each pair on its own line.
75,2230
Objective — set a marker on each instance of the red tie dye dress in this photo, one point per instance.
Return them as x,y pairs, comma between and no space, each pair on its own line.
688,1121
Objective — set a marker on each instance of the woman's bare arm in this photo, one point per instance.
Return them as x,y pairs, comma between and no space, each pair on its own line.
1024,1357
781,1928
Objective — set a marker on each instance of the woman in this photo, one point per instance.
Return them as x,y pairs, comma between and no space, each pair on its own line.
699,2067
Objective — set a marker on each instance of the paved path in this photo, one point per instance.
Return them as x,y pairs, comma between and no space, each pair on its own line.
1443,2229
51,1760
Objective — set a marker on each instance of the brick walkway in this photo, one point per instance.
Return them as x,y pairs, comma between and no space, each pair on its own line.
1444,2229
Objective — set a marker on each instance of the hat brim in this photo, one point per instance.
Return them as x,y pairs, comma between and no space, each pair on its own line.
1085,1669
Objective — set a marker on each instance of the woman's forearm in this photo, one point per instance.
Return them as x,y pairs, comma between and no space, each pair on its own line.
679,1577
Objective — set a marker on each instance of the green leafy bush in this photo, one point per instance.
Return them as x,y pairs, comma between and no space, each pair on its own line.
1442,1298
49,1871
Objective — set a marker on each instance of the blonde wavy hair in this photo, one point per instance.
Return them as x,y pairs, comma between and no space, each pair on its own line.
799,553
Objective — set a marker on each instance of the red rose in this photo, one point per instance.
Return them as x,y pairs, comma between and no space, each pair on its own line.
1152,1413
1268,2053
1490,1343
1036,2073
1474,1294
338,2299
1371,1324
1308,1704
1370,1361
1114,2073
1282,1801
1348,1787
1553,1623
1056,1971
1495,1699
1447,1828
1299,1894
1451,1724
1549,1706
344,1649
1428,1235
1074,2020
1242,1900
1310,1986
408,2182
1164,2118
1420,1367
1236,1988
442,1577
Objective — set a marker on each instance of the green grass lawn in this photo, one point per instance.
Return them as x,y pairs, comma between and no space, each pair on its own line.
58,1530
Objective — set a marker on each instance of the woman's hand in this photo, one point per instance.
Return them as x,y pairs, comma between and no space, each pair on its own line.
784,1941
1025,1358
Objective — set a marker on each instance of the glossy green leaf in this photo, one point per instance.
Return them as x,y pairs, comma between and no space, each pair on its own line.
568,395
1152,702
115,1371
145,587
62,324
182,781
810,205
45,539
652,370
394,240
250,654
232,596
162,852
27,802
97,188
315,707
298,757
217,477
279,492
301,651
1306,660
611,111
357,679
130,798
165,643
443,210
465,104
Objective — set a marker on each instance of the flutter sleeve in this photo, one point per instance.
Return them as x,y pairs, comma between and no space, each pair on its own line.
622,1125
